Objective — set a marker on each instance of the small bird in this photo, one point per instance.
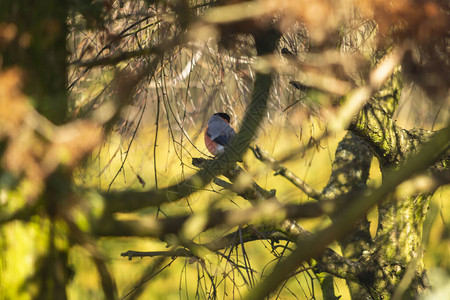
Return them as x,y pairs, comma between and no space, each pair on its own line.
218,133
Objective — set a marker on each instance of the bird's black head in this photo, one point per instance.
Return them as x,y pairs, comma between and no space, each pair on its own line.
223,116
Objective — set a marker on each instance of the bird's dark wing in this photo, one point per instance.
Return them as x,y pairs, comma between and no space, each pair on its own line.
222,140
220,131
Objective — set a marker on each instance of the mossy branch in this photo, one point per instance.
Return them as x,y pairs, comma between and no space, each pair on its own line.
345,220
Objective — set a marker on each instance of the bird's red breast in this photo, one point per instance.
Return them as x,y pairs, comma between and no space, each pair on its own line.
210,144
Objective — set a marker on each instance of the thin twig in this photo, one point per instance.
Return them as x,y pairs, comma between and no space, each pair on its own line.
283,171
129,146
121,56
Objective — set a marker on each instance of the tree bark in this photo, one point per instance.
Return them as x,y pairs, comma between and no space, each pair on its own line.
397,244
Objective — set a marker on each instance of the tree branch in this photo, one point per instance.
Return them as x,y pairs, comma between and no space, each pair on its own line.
268,212
121,56
179,252
252,192
127,201
350,171
329,262
344,222
286,173
255,112
390,142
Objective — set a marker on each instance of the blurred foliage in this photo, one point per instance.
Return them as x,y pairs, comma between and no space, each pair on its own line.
130,89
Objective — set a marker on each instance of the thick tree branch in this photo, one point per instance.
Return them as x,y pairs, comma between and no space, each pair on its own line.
350,169
344,222
349,175
267,212
390,142
249,233
402,215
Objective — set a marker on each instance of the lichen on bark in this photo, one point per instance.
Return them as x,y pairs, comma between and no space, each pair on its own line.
400,218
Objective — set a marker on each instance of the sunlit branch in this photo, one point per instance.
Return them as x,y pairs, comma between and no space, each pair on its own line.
270,212
390,142
249,234
226,185
429,154
286,173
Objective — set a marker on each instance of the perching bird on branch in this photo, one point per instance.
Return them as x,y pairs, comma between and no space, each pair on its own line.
218,133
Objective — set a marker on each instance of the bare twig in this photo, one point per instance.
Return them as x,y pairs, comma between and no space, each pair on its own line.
286,173
121,56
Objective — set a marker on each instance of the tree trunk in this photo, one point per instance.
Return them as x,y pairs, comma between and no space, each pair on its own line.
397,245
38,48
